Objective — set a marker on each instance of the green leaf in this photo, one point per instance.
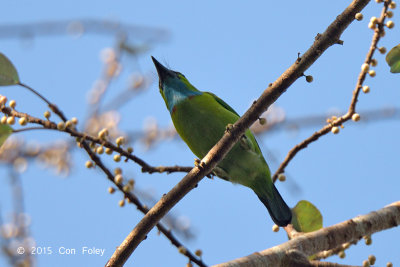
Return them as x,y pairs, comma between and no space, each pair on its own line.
8,73
5,132
393,59
306,217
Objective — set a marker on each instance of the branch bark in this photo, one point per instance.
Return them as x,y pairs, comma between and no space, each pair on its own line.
324,239
352,107
323,41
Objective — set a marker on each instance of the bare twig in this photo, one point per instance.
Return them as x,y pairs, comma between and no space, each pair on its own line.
133,199
324,239
52,106
352,108
140,34
83,136
128,195
325,40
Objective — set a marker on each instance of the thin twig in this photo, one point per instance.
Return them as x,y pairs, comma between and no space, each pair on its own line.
28,129
49,125
133,199
216,154
352,107
52,106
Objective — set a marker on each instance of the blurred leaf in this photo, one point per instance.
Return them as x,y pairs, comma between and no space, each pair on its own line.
306,217
393,59
5,132
8,73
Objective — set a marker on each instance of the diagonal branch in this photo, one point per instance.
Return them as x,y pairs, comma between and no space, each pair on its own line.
135,200
323,239
352,107
49,125
324,41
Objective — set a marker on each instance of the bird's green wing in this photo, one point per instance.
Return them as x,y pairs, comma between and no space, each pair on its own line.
247,141
223,103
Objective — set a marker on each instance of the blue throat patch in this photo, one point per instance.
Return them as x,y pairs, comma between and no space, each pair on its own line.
177,94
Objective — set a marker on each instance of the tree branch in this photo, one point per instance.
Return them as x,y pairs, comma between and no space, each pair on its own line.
133,199
323,239
352,107
324,41
49,125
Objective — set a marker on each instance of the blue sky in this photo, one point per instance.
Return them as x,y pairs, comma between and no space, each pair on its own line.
234,49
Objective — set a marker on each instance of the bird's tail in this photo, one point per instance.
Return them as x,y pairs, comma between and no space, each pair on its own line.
277,208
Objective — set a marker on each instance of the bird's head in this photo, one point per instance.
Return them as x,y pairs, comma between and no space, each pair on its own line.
173,85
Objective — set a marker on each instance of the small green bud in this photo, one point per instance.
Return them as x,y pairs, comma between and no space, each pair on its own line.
372,73
371,259
89,164
74,120
68,124
61,126
198,252
12,104
342,254
355,117
120,141
335,130
366,89
22,121
47,114
111,190
100,150
3,120
309,78
371,25
118,179
364,67
117,171
182,250
11,120
102,134
117,158
3,100
108,151
368,240
390,24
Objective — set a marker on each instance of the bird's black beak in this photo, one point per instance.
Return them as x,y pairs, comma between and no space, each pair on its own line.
162,71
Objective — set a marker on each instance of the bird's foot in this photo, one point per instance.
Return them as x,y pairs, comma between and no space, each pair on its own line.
229,127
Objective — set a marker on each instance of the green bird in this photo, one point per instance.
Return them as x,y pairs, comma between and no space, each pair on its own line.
201,118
